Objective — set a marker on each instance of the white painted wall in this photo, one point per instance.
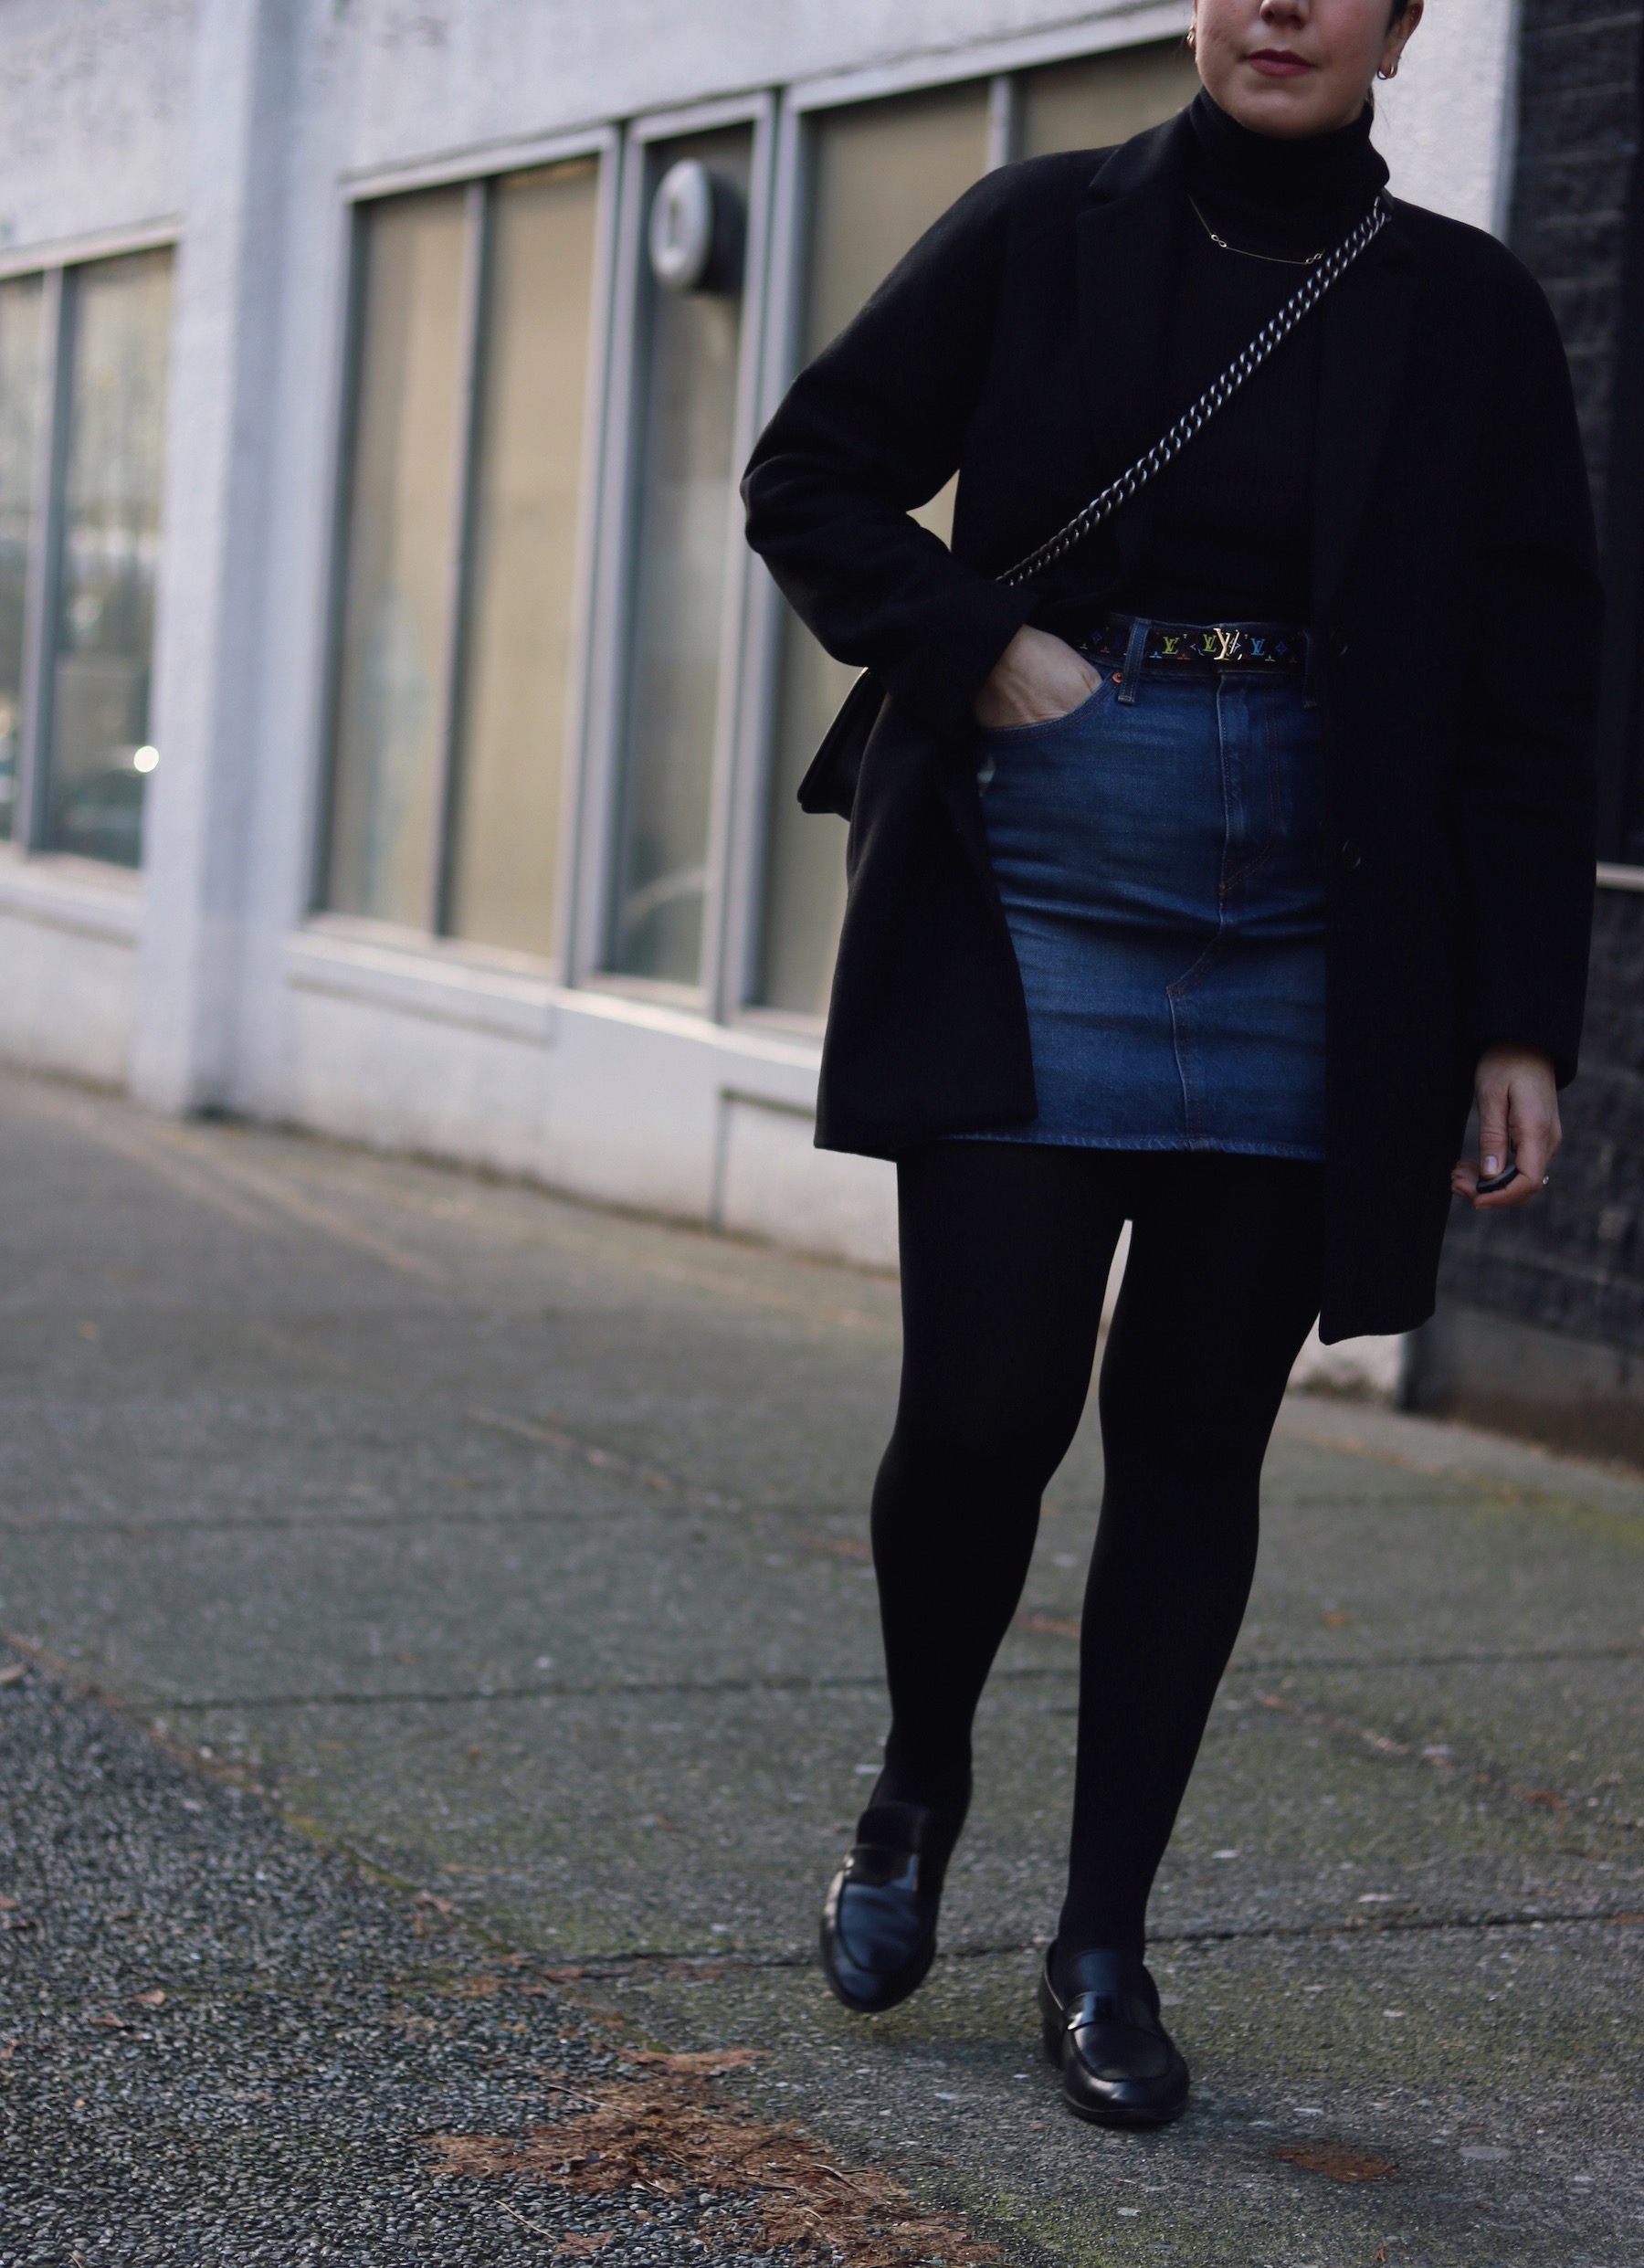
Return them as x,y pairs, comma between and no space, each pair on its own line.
93,104
459,1055
210,686
1445,124
449,73
68,932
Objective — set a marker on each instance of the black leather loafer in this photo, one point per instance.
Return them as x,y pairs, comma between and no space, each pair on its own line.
878,1924
1119,2066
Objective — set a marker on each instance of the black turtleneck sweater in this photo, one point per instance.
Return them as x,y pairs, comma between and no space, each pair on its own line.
1227,529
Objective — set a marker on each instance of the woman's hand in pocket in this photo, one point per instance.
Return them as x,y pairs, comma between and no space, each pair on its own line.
1035,680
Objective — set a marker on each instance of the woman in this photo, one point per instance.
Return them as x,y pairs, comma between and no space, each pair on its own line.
1198,881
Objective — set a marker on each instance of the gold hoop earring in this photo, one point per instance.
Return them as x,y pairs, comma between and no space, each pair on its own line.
1192,36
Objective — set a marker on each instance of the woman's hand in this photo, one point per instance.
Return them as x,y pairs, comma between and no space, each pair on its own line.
1035,680
1518,1110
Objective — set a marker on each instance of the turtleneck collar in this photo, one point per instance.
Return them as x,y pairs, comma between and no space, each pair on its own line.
1289,180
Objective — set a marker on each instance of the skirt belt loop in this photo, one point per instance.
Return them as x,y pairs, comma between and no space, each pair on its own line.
1135,653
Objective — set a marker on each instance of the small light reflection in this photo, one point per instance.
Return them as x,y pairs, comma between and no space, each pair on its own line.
144,759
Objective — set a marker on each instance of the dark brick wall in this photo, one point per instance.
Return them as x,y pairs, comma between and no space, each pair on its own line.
1578,115
1575,1264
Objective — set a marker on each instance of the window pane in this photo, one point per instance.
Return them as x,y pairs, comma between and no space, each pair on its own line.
881,172
687,475
20,344
1104,99
401,559
105,620
526,506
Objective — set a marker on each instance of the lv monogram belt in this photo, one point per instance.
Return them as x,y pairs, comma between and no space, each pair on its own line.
1200,645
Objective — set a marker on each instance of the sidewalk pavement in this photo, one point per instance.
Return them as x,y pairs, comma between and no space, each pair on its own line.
470,1545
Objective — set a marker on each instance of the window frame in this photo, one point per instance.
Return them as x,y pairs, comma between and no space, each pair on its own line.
476,174
613,602
56,267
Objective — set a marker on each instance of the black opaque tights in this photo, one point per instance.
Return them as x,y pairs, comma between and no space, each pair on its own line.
1005,1253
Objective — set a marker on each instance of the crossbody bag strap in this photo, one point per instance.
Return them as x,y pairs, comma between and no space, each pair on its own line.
830,785
1319,279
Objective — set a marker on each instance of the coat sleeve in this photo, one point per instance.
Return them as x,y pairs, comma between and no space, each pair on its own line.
1526,781
872,430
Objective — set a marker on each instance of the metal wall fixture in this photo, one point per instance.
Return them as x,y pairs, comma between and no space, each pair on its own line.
697,231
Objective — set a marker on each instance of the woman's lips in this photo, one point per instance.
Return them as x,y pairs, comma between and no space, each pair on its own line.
1278,63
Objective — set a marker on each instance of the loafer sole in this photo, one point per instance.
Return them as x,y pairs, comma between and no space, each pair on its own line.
1116,2117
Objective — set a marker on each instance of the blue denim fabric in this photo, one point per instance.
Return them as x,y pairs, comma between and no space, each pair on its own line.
1162,868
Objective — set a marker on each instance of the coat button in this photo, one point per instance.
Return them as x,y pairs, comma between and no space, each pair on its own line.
1338,644
1352,857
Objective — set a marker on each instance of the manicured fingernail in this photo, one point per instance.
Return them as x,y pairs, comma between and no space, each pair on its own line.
1493,1166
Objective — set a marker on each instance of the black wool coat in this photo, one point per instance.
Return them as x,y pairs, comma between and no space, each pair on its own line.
1456,607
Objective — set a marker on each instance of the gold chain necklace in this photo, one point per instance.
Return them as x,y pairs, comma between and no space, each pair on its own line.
1273,259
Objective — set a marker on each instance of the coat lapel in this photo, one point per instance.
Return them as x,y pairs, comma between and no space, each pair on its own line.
1366,321
1128,237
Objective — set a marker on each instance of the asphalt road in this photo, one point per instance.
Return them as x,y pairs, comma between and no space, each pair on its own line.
449,1541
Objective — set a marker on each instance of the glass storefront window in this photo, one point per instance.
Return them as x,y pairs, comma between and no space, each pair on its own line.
400,573
1103,98
119,329
880,173
528,500
466,491
22,341
691,348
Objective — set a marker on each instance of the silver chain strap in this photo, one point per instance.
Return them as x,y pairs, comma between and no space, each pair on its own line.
1215,395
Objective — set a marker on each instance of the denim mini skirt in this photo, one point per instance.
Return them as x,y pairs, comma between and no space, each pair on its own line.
1161,864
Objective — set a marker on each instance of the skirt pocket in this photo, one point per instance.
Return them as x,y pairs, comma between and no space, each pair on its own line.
1007,740
1012,735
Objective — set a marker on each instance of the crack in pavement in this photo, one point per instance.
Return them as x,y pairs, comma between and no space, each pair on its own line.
597,1967
867,1682
1440,1758
144,1529
604,1460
